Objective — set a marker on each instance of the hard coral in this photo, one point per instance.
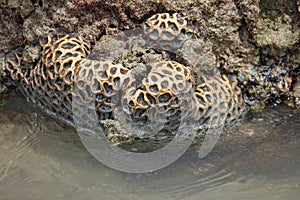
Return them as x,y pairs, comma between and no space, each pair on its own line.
101,82
159,98
167,31
50,82
218,101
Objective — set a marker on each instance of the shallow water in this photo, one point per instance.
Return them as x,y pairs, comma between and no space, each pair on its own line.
41,158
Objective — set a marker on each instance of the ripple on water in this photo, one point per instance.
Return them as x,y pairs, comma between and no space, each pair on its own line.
41,158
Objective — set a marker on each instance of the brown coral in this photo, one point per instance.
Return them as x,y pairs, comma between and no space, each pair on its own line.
218,102
167,31
160,97
14,66
101,82
50,82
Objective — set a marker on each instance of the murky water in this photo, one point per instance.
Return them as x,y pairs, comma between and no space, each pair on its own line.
41,158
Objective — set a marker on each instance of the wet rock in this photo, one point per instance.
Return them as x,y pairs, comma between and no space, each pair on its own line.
24,7
277,33
242,35
2,74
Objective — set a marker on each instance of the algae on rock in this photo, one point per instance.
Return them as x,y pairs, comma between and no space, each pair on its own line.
243,35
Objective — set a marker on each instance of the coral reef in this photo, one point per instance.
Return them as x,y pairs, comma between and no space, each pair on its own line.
161,97
163,93
50,82
219,101
101,81
248,38
167,31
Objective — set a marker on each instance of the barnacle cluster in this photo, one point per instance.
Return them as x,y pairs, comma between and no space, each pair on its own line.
267,84
167,92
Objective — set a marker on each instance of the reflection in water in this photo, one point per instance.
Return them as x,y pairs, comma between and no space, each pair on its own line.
41,158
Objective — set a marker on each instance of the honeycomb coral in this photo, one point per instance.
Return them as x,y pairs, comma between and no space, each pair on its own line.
164,94
14,66
167,31
101,82
161,96
166,97
217,102
50,82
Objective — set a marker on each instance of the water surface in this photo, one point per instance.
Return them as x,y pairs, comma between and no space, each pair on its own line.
41,158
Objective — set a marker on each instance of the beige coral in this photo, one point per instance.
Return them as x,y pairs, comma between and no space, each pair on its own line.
50,82
159,97
167,31
218,101
170,92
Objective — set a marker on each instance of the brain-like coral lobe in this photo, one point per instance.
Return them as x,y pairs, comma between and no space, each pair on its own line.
50,82
218,101
167,31
14,66
161,96
100,83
